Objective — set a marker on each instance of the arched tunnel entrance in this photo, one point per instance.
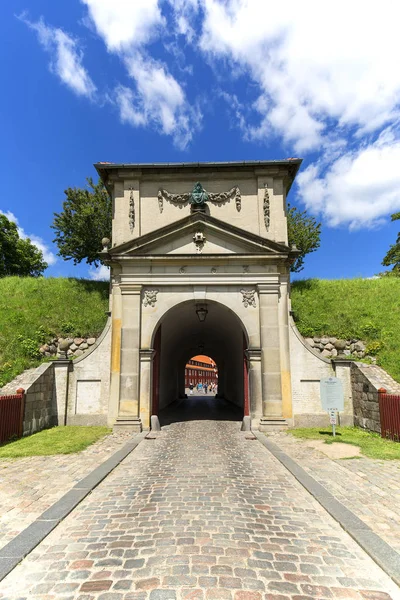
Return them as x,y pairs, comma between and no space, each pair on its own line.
189,329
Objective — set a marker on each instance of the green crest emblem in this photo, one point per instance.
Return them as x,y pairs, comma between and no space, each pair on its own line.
199,195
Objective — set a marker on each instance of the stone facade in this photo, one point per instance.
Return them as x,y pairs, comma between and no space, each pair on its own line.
177,244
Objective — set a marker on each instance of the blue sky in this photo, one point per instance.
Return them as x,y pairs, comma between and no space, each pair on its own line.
207,80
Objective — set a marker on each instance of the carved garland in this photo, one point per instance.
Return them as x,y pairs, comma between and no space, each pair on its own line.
131,211
266,208
181,199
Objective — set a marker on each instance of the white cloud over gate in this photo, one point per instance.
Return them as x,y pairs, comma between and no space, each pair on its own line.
321,78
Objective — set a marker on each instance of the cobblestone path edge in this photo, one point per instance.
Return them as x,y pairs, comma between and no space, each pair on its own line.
13,552
379,550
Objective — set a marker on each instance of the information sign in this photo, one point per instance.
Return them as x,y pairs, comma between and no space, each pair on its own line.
332,397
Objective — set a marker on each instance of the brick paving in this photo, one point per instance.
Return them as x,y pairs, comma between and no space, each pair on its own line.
368,487
28,486
201,513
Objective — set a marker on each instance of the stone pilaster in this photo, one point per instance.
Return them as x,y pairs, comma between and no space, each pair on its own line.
128,410
146,358
60,390
287,410
270,356
115,367
253,356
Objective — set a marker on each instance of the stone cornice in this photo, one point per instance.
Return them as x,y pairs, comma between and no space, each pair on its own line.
130,288
268,288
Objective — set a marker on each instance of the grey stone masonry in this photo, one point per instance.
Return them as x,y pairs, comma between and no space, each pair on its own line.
365,382
38,385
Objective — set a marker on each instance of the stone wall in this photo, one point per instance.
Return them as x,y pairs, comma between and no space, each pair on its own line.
331,347
308,367
76,346
88,387
38,384
366,381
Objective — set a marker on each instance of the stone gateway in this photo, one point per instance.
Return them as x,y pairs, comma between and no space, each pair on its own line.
199,263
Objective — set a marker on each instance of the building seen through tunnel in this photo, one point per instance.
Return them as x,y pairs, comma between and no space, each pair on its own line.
200,265
201,369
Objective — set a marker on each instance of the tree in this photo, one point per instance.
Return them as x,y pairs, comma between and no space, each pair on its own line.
304,232
83,222
393,254
18,256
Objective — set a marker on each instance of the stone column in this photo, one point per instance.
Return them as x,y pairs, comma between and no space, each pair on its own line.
128,410
60,390
287,410
253,356
146,358
115,367
270,356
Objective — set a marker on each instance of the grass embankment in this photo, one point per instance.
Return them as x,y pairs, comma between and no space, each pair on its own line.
58,440
371,444
367,309
32,311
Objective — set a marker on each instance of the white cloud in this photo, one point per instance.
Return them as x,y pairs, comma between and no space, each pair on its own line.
101,273
124,24
37,241
156,98
66,57
314,67
359,189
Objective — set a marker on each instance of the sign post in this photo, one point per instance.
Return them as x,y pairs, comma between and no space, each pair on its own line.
332,398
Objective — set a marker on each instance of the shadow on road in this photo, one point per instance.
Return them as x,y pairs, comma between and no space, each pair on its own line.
200,408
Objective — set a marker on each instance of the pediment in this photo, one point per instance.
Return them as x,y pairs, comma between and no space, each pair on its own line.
199,234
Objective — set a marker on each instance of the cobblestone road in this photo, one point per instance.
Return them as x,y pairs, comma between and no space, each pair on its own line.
29,486
368,487
198,513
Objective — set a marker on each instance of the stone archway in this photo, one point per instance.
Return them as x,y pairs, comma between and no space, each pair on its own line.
180,334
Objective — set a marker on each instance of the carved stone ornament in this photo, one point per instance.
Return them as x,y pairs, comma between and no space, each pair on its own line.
248,298
199,196
199,239
150,297
131,211
266,207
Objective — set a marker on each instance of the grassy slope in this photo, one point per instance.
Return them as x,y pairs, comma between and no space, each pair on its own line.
39,309
359,308
371,444
58,440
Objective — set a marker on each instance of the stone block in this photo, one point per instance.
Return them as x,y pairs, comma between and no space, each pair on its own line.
340,344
